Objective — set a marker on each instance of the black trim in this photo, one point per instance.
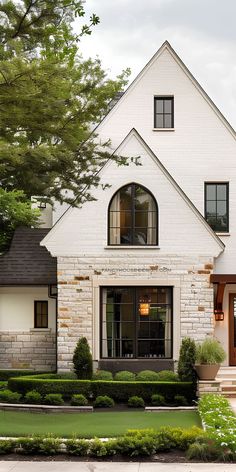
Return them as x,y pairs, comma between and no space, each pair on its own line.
206,184
133,184
135,311
35,313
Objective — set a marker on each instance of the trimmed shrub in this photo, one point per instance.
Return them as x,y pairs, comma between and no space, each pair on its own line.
97,448
187,358
167,376
102,375
104,402
158,400
7,396
147,376
8,374
54,399
79,400
82,360
45,385
3,385
124,376
133,446
180,400
77,447
47,446
7,446
119,391
136,402
33,397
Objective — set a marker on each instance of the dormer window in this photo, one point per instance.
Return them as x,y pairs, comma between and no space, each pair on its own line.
163,112
133,217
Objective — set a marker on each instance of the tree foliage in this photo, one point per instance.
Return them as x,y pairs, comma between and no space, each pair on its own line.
15,211
50,99
187,358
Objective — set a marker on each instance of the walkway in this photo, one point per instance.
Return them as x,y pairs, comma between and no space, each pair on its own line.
111,466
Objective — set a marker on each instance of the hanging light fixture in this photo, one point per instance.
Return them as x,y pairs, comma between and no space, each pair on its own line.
144,305
219,315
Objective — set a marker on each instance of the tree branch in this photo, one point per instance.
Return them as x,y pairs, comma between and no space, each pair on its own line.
23,19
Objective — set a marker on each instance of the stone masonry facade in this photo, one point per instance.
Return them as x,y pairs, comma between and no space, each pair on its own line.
78,311
34,350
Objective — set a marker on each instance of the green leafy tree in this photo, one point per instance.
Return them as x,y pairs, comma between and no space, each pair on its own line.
50,100
82,360
15,211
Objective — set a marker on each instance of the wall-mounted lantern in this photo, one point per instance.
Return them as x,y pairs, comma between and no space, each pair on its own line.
219,315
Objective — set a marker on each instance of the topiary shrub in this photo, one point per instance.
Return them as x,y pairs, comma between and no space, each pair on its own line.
136,402
124,376
167,376
79,400
33,397
102,375
104,402
180,400
187,358
54,399
158,400
147,376
82,360
7,396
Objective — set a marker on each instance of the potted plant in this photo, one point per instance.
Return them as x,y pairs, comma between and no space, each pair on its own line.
209,355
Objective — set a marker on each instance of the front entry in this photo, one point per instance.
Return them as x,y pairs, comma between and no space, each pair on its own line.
232,329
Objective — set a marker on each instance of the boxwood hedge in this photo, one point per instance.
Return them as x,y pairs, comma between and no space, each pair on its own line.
119,391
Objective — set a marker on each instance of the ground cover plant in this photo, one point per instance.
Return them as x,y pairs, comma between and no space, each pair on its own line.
88,425
220,424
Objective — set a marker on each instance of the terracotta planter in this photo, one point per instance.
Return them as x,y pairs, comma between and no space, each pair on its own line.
207,371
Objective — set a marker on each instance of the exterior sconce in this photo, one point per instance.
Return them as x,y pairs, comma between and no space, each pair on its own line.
219,315
144,305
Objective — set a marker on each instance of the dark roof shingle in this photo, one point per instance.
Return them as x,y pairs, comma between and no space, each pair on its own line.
26,262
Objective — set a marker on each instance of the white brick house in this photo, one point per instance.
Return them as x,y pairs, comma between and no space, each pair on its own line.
152,259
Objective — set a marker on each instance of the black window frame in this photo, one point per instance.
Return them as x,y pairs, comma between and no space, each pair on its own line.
226,184
164,98
36,324
133,242
135,287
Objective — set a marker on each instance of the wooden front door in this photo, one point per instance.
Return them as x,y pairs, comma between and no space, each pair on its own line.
232,329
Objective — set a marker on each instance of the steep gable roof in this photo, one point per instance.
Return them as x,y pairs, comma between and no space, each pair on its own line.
166,46
134,133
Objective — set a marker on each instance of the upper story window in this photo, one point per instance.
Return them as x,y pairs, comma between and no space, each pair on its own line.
133,217
217,206
163,112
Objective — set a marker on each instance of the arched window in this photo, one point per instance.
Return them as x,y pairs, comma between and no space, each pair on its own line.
133,217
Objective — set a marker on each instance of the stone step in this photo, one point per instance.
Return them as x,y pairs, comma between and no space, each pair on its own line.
228,388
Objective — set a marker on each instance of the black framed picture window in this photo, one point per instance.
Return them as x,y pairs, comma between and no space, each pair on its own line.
217,206
41,314
163,112
136,322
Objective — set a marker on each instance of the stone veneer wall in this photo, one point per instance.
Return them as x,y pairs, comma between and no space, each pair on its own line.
77,276
35,349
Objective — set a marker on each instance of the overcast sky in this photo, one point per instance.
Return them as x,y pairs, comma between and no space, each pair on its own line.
202,32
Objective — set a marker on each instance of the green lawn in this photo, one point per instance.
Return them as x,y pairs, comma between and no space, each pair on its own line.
87,425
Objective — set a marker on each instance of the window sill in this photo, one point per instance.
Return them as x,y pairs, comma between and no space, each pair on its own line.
163,129
222,234
132,247
40,330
